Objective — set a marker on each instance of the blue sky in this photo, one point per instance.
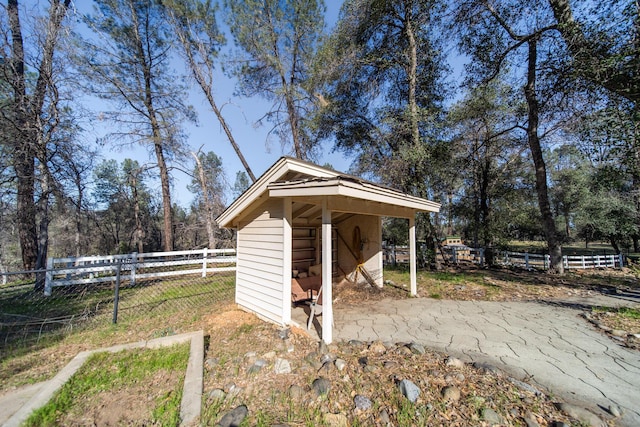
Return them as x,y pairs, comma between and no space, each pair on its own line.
260,149
242,114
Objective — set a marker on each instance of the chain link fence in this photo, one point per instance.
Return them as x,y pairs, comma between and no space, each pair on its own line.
30,318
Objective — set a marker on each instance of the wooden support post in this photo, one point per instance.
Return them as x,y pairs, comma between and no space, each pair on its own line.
412,255
327,298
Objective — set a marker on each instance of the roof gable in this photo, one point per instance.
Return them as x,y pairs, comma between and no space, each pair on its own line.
285,169
290,177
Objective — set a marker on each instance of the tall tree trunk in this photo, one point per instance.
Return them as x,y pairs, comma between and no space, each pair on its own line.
614,245
548,221
293,121
635,172
23,151
188,44
412,74
139,232
484,202
567,224
78,223
166,194
157,135
28,112
208,203
43,226
24,167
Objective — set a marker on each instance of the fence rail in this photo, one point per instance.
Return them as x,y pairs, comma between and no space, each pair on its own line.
571,262
461,254
103,269
89,291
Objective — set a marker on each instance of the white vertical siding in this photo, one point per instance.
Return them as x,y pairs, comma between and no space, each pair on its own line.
287,233
260,261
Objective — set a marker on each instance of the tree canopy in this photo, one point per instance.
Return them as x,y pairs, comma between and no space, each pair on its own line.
520,117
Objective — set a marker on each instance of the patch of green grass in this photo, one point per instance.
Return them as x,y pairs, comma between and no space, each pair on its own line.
631,313
244,329
34,322
113,371
446,276
628,312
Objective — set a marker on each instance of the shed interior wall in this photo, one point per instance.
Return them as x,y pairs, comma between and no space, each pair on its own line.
370,235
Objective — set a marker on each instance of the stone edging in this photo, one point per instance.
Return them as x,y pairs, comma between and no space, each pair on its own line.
190,405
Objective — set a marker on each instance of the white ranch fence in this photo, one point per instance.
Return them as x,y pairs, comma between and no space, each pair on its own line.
112,268
461,254
570,262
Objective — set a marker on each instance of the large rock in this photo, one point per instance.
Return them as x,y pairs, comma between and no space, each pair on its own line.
581,414
234,417
451,393
454,362
336,420
321,386
296,392
363,403
491,417
416,348
257,366
377,347
530,420
409,390
282,366
524,386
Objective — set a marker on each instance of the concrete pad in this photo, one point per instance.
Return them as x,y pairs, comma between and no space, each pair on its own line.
548,343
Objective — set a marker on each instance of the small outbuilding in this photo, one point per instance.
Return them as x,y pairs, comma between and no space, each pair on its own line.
301,226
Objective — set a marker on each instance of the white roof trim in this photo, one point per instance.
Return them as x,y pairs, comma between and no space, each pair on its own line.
343,186
259,187
323,182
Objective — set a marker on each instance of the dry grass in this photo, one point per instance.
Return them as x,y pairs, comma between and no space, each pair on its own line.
241,339
236,338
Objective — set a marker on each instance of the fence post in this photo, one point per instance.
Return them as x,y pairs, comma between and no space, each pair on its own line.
48,278
481,250
134,262
116,297
526,260
621,260
204,262
454,255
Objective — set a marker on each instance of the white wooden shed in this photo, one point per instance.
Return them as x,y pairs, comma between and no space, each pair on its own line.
298,214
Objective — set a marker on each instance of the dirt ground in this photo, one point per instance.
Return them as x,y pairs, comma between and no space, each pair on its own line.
237,339
241,338
131,405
